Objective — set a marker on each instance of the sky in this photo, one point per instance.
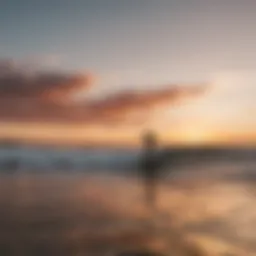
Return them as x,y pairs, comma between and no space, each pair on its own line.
107,51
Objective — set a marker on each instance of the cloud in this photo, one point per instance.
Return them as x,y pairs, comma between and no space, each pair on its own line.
129,104
15,82
47,96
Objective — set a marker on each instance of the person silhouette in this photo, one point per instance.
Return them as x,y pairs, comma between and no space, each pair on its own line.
150,168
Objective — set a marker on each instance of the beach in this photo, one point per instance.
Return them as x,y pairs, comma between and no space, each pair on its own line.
209,209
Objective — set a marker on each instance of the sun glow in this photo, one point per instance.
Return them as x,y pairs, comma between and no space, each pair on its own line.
194,137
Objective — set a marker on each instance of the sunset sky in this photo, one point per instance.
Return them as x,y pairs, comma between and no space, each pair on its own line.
128,63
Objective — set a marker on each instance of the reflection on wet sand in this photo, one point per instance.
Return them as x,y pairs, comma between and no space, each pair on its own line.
97,215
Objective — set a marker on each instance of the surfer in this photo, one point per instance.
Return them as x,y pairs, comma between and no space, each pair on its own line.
150,168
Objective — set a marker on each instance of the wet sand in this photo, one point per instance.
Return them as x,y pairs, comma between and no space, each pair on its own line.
96,215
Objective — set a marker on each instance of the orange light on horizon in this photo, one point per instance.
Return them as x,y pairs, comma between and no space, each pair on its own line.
79,134
195,136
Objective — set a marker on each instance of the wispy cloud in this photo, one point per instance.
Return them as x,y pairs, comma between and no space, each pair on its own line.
43,96
125,105
17,82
